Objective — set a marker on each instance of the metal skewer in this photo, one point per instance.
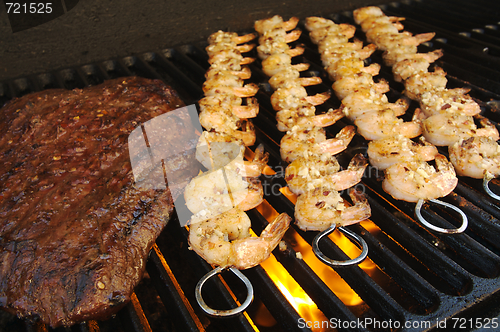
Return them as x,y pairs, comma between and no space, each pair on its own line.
229,312
424,222
335,263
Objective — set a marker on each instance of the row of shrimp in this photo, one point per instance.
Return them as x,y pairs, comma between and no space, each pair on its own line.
219,229
314,173
448,115
408,176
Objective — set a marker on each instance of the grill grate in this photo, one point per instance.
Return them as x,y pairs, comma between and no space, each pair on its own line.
421,276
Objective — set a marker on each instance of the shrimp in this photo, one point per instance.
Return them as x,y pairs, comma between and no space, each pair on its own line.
222,79
351,66
349,84
244,73
318,209
213,49
320,34
414,180
363,13
305,174
350,50
296,96
220,37
385,124
388,28
382,21
367,100
449,101
308,142
222,120
220,190
396,41
444,129
419,84
314,23
332,42
276,41
225,240
475,156
278,62
233,103
305,117
409,67
291,77
213,89
388,151
215,150
393,56
261,26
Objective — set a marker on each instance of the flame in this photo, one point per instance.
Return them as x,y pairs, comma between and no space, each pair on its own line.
297,297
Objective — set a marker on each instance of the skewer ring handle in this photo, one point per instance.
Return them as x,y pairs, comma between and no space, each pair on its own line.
427,224
334,263
486,181
224,313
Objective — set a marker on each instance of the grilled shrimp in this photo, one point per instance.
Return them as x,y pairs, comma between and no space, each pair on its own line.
449,101
351,66
304,117
363,13
305,174
384,124
308,142
388,28
367,100
414,180
332,31
278,62
349,84
396,41
318,209
476,155
244,73
225,240
296,96
332,42
220,190
374,25
349,50
261,26
393,56
233,103
221,37
444,129
419,84
290,77
215,150
276,41
407,68
388,151
223,121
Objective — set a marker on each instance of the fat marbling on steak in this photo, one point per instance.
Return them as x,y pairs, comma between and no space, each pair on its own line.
75,228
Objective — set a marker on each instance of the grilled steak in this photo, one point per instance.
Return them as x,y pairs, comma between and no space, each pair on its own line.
75,228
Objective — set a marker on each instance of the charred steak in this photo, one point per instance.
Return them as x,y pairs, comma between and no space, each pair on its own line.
75,230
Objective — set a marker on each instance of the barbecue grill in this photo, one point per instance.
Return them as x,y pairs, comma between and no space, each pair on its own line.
424,279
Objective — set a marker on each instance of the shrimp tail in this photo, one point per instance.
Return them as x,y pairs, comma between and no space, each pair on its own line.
359,212
252,251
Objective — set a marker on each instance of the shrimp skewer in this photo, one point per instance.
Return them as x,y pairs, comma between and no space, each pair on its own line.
225,240
305,143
